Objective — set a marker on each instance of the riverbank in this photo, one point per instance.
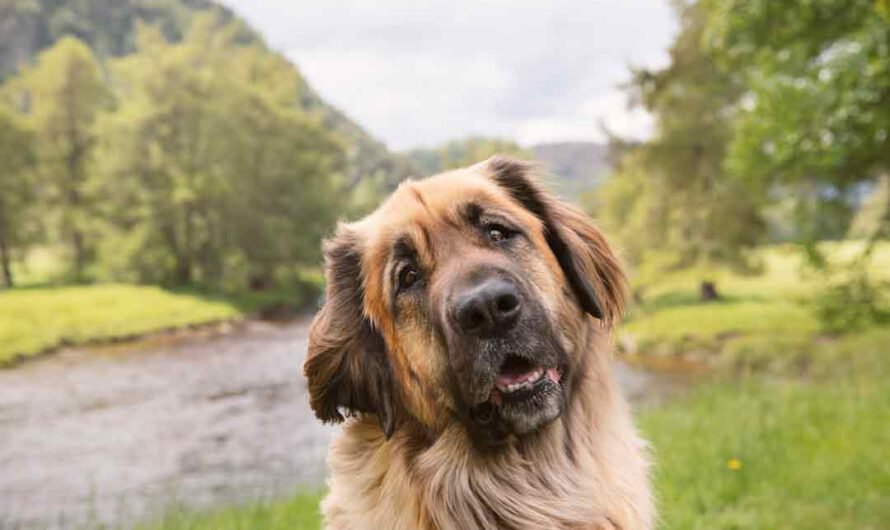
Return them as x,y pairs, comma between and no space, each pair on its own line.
39,320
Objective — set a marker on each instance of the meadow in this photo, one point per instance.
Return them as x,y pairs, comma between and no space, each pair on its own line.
786,430
44,314
764,320
297,513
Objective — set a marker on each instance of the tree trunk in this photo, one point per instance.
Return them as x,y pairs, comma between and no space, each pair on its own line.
709,291
79,255
5,261
183,273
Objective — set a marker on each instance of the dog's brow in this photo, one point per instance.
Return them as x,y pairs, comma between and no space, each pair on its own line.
417,195
471,211
403,248
475,214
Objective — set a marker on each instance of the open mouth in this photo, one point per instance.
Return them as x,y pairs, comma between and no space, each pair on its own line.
519,379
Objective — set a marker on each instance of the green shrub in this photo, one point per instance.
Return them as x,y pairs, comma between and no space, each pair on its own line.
853,303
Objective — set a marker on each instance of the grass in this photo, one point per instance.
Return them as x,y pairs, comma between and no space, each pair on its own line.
794,436
702,326
774,305
297,513
807,456
34,320
43,314
779,453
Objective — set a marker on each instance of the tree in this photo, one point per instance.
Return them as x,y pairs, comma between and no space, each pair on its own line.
16,190
673,188
279,161
213,172
61,97
815,121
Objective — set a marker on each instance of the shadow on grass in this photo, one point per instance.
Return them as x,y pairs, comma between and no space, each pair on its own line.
269,304
683,299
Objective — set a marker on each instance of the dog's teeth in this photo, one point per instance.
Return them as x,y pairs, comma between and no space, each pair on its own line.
532,378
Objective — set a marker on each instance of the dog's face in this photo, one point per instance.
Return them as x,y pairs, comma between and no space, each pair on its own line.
465,297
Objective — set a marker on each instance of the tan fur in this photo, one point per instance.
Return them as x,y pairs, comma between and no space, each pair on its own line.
586,470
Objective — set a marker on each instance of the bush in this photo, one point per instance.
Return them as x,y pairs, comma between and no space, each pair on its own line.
853,303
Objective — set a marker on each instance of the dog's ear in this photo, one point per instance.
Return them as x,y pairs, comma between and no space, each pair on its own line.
588,262
347,366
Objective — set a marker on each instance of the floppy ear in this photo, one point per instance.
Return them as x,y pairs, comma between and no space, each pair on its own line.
347,365
588,262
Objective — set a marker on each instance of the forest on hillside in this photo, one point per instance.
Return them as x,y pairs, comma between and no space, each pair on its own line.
183,86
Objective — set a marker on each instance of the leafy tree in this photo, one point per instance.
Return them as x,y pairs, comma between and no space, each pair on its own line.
214,174
281,162
673,189
815,118
16,190
109,28
61,97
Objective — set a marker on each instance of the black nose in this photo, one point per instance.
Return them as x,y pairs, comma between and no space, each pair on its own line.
489,308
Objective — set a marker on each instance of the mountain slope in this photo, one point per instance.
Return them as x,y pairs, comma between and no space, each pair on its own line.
108,26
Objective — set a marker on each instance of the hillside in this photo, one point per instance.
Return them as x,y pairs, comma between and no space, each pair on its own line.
29,26
578,166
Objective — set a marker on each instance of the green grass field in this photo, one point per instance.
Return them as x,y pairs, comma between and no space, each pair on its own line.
770,455
297,513
774,306
33,320
44,313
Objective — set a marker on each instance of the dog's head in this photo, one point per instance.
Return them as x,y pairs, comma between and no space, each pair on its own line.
468,296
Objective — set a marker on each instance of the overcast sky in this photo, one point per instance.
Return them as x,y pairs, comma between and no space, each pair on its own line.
420,73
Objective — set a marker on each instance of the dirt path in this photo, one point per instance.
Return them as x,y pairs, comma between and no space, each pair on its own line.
114,434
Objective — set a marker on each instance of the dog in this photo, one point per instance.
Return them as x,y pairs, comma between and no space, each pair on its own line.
464,344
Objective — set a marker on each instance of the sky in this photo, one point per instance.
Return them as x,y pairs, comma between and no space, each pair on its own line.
417,74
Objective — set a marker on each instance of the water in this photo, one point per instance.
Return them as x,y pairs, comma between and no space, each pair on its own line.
116,434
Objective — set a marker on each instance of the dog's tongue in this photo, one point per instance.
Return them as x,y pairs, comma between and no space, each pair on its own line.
508,377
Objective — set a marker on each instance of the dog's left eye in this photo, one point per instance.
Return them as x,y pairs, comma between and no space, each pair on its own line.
497,232
408,276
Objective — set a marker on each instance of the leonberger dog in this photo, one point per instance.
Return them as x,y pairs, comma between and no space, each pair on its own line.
464,344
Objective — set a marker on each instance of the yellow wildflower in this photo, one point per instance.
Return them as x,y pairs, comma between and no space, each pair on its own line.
734,464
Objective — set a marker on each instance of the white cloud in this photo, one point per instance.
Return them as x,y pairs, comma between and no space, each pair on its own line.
609,111
408,98
419,73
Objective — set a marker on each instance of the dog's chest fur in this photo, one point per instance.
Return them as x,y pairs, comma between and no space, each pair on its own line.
586,470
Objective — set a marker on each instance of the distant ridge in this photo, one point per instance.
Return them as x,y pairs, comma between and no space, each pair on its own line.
579,167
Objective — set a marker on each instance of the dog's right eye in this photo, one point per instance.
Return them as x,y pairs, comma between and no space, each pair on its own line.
408,276
497,232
